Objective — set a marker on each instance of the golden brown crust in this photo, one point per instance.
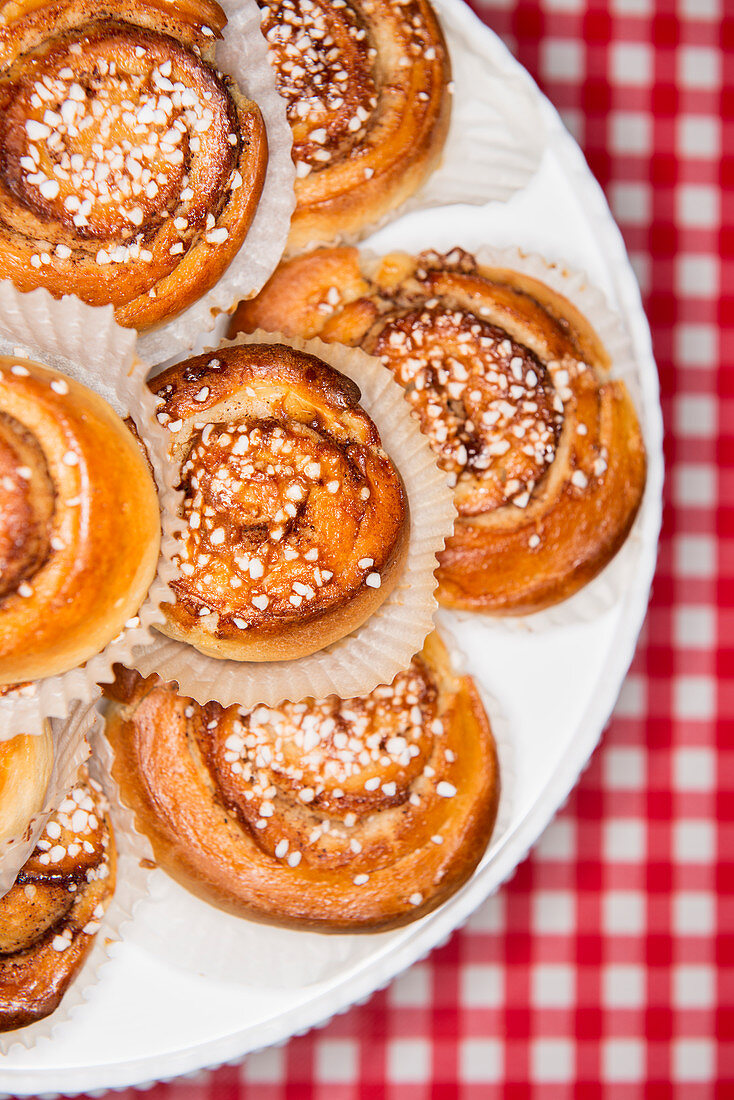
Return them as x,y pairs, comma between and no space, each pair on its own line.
341,815
512,387
140,206
48,920
367,93
76,491
25,769
297,521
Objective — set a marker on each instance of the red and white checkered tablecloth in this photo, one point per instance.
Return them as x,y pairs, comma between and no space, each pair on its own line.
605,967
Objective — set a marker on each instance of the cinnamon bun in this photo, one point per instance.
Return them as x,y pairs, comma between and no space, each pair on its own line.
340,814
512,387
49,918
296,520
367,93
79,523
26,762
130,169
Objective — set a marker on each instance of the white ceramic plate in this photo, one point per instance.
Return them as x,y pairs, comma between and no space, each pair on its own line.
150,1019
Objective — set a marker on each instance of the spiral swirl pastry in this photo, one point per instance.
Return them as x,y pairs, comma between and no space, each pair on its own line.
49,918
296,521
79,523
130,169
511,386
338,814
367,91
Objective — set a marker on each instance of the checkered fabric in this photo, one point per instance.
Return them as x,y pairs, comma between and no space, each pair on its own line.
604,968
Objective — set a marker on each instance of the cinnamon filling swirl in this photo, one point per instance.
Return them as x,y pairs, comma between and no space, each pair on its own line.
367,93
79,523
49,919
325,70
293,512
27,498
486,403
275,516
126,160
308,777
338,813
103,147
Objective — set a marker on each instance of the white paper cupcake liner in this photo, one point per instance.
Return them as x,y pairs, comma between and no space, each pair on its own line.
243,55
501,731
497,135
220,946
86,343
603,592
385,644
70,749
131,886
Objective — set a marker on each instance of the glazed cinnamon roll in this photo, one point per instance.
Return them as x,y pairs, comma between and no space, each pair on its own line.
49,918
512,387
340,814
130,169
367,92
296,520
25,769
79,523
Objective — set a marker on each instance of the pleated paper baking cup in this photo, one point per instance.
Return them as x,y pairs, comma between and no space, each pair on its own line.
386,642
497,135
501,730
603,592
242,54
70,749
87,344
131,887
223,947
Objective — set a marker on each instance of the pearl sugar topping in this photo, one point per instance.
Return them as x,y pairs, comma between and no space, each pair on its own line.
256,497
108,144
487,404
